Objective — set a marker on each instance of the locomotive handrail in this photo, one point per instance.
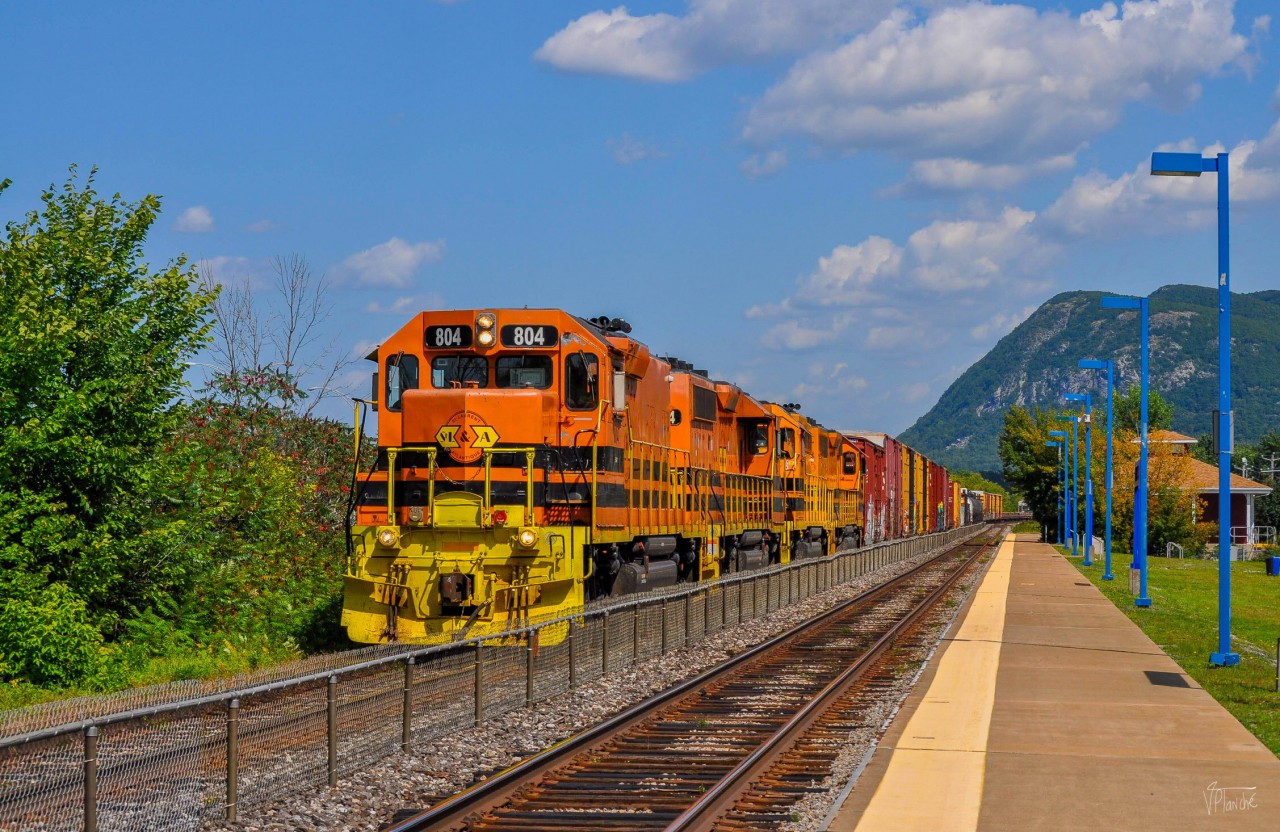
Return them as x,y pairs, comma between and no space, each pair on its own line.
530,455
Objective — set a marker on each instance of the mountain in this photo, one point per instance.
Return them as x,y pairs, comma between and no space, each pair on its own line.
1039,360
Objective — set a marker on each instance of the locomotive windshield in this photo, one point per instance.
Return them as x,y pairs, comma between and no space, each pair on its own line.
459,371
524,371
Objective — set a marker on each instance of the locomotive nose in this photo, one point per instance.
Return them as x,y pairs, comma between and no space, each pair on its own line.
465,422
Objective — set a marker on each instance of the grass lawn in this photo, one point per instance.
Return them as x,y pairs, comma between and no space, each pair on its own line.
1183,620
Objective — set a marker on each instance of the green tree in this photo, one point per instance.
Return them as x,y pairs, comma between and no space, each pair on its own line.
1264,460
92,351
1128,409
1029,466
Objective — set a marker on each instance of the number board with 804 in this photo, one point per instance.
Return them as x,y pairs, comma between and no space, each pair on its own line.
529,336
448,337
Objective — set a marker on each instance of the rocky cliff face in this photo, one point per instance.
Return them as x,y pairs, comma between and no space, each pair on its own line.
1039,361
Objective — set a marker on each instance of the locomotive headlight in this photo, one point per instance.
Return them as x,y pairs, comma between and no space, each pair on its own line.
484,338
486,320
388,537
527,538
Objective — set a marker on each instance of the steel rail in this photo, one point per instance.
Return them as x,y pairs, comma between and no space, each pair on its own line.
498,788
703,814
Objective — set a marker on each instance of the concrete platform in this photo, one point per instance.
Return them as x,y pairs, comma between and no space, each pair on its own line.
1047,709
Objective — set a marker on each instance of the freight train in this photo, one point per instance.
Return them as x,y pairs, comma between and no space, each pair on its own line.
530,461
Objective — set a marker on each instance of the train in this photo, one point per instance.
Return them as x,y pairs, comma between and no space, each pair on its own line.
530,462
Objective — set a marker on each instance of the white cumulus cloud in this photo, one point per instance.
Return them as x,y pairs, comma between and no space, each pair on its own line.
851,275
391,264
1002,90
1097,205
891,298
194,220
957,255
670,48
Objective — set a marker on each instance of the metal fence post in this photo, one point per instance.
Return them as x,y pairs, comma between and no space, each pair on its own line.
479,674
233,757
663,627
741,600
706,611
91,779
635,634
573,657
530,667
604,644
688,601
332,702
406,716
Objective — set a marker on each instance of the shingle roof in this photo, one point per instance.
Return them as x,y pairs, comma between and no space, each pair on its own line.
1202,477
1171,437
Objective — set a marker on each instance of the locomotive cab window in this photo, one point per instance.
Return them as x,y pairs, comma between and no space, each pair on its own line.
459,371
402,375
851,463
758,438
525,371
581,381
786,442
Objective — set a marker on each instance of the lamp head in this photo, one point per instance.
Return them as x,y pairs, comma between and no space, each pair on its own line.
1061,433
1076,397
1121,302
1053,444
1178,164
1093,364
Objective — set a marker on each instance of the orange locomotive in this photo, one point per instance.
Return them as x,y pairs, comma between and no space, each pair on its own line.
530,461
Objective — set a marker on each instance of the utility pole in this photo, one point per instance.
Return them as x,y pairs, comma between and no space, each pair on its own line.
1271,470
1244,467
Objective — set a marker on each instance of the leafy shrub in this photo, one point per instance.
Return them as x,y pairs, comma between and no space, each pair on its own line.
48,639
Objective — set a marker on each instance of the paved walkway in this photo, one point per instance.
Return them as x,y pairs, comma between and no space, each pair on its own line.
1048,709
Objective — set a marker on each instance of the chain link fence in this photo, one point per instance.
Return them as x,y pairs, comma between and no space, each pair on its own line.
172,756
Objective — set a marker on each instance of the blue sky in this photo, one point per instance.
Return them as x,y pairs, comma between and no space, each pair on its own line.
838,203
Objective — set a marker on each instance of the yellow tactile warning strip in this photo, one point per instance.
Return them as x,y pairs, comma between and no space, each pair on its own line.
934,778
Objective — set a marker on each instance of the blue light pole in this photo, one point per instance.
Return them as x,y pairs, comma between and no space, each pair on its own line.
1140,490
1193,164
1061,436
1110,367
1057,477
1073,461
1088,472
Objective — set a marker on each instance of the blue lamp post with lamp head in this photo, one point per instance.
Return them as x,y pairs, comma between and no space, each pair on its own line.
1193,164
1061,437
1140,489
1073,507
1109,366
1088,472
1057,480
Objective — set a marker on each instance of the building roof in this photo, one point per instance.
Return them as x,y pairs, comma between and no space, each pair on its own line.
1170,437
1202,477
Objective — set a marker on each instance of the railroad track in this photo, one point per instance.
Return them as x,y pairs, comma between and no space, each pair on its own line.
733,748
